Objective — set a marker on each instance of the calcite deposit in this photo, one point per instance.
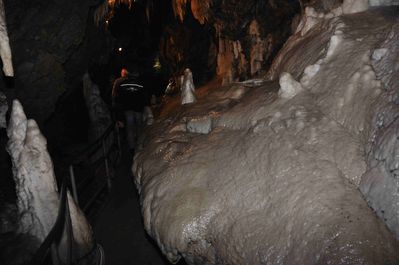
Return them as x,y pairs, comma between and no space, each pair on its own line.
271,172
187,88
37,195
5,50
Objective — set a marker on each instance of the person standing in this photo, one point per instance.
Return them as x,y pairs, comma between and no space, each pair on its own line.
128,101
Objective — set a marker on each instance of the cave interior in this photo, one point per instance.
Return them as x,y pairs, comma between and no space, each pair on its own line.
257,66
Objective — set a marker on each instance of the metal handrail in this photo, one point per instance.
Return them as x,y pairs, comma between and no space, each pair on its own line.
55,234
63,218
94,147
89,152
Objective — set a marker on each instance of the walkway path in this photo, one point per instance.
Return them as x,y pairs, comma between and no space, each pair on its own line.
119,229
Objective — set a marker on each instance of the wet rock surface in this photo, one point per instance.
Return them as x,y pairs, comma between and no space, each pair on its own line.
38,200
276,180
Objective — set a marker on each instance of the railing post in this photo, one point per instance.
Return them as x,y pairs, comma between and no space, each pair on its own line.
106,166
73,183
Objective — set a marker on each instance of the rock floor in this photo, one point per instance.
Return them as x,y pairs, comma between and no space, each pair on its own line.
119,228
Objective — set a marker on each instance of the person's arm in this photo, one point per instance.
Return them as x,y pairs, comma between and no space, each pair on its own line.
117,113
114,88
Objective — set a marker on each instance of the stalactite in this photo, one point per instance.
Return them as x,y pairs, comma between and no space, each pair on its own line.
106,9
179,8
101,12
199,8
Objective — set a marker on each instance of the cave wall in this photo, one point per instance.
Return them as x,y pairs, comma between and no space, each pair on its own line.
244,35
53,42
188,44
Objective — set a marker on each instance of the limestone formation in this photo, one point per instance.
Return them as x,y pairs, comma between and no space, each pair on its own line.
37,195
187,88
5,50
99,114
276,178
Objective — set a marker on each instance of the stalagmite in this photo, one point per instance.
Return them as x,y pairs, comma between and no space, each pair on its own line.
99,114
5,50
188,89
289,87
37,195
275,178
100,117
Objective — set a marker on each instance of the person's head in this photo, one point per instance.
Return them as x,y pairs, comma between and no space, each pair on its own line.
124,72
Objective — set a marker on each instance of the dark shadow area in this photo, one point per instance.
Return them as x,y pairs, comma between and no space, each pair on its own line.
119,227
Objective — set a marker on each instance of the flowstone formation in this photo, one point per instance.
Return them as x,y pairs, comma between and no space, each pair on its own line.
273,172
37,196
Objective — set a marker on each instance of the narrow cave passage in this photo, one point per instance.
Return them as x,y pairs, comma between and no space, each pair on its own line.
199,132
118,225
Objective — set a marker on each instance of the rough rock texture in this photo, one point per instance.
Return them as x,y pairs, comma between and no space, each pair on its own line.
380,183
354,6
99,114
245,36
5,50
275,179
180,45
52,43
37,195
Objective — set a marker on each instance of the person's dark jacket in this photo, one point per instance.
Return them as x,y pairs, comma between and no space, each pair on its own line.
129,94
